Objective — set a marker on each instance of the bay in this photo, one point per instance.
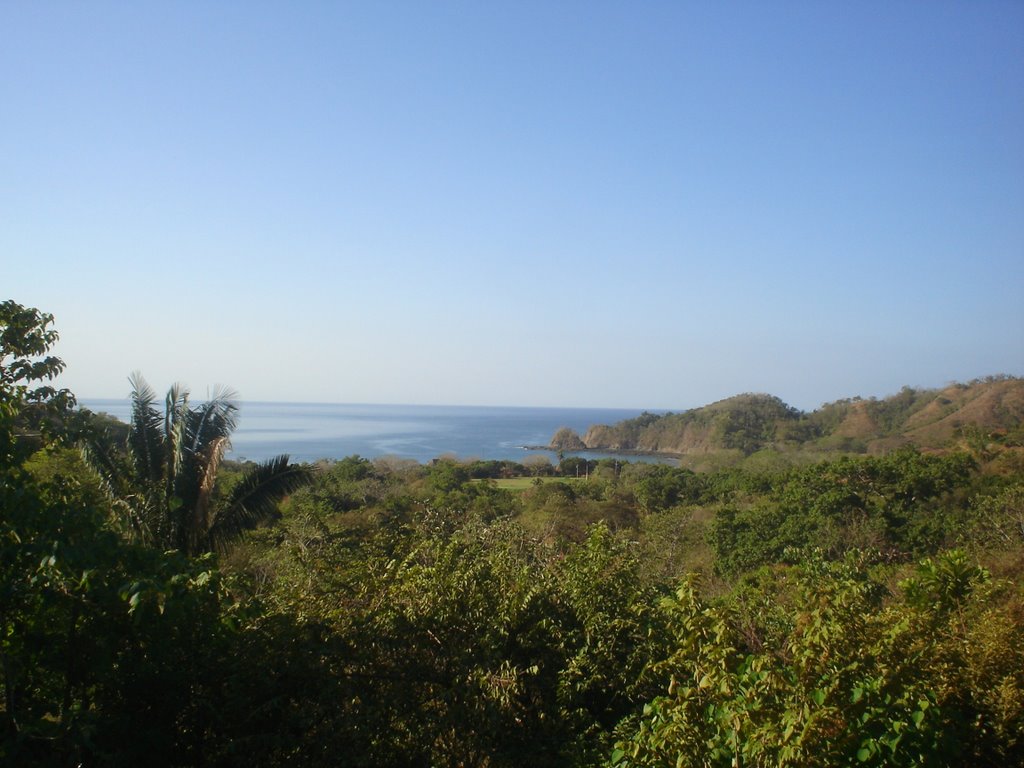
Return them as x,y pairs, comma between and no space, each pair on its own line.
312,431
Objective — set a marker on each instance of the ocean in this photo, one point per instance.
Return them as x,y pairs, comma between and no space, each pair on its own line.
311,431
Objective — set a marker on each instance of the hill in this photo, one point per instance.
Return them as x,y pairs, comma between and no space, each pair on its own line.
745,424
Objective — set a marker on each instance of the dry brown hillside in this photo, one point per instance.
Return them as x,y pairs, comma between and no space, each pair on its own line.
992,406
859,423
744,424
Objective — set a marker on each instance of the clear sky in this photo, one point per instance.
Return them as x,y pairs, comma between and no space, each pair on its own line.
654,204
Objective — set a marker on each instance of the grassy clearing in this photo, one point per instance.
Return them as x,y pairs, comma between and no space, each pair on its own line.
522,483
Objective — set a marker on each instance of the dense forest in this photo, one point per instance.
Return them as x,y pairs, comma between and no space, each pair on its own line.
161,606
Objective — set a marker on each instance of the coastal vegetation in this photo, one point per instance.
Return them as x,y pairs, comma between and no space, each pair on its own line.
863,607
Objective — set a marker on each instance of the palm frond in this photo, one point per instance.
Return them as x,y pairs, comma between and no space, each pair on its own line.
207,467
134,503
175,421
254,499
142,518
145,439
98,458
215,418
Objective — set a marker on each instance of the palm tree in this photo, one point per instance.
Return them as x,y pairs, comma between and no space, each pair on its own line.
163,486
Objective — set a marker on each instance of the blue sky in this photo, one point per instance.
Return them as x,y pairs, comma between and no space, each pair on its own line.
598,204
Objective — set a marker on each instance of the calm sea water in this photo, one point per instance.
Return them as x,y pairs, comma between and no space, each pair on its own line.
309,431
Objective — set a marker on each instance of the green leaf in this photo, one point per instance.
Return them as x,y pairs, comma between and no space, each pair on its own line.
863,754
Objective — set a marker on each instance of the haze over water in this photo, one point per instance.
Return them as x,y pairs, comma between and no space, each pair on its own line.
313,431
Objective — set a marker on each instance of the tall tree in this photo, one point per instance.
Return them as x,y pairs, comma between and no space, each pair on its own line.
164,484
27,406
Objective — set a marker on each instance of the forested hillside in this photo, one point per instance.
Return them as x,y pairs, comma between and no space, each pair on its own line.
162,607
740,426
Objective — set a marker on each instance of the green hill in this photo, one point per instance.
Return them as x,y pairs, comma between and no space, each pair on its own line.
745,424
